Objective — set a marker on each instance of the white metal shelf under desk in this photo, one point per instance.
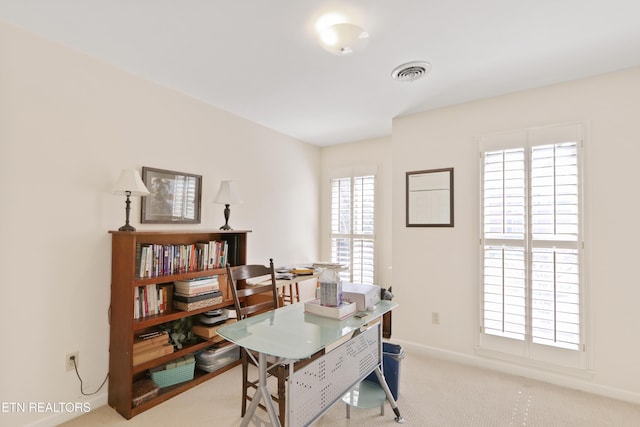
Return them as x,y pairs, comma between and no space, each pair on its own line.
290,335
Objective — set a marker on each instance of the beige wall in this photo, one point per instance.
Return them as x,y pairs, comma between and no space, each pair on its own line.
68,125
435,268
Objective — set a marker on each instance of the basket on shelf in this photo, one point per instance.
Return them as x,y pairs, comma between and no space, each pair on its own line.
178,371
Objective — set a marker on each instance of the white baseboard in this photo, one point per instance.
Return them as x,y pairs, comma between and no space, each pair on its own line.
568,380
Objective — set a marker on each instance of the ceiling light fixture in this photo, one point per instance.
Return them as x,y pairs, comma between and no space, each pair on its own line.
411,71
340,37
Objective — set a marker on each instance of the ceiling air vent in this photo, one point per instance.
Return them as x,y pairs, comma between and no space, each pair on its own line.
411,71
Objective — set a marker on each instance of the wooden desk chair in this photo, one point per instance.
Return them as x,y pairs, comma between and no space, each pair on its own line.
250,300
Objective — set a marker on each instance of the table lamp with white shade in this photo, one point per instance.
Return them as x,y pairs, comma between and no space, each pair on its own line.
227,195
130,184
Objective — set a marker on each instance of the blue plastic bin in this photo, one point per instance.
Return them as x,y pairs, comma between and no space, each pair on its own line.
392,354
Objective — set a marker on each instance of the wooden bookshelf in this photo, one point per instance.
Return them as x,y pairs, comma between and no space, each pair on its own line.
124,327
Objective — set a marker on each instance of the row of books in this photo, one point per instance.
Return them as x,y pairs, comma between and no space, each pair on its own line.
194,302
151,299
196,293
156,299
150,346
154,260
196,286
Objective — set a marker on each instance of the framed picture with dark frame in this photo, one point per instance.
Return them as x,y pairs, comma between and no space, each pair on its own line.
430,198
174,198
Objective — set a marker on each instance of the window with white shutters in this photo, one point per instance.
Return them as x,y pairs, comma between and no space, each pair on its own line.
531,208
184,191
353,227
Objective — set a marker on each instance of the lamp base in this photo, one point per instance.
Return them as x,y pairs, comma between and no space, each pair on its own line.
127,227
127,210
227,214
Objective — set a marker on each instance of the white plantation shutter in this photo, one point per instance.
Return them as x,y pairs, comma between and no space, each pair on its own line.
341,206
183,189
362,263
504,237
555,282
531,229
353,226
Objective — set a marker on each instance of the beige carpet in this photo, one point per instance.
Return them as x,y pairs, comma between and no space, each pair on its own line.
433,392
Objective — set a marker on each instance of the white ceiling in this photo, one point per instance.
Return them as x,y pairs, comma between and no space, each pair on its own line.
260,59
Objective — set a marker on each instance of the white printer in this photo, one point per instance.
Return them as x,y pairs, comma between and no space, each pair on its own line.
365,296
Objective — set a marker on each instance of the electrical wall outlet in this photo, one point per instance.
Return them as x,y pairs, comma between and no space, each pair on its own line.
71,357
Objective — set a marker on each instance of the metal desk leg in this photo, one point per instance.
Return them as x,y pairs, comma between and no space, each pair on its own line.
261,393
392,402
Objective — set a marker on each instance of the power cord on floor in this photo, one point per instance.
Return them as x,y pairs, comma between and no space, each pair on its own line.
73,359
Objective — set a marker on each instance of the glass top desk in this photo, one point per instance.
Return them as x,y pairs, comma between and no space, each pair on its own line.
290,334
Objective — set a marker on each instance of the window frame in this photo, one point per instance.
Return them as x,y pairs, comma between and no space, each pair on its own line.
352,174
527,350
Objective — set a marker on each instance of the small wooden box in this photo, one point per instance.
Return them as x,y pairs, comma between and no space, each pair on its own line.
143,391
209,332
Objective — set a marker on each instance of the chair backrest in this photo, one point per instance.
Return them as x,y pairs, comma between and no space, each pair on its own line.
252,299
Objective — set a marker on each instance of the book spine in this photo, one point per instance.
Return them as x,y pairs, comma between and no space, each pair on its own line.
225,253
165,260
138,259
217,258
143,299
184,306
136,303
194,298
196,291
148,262
150,303
212,251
